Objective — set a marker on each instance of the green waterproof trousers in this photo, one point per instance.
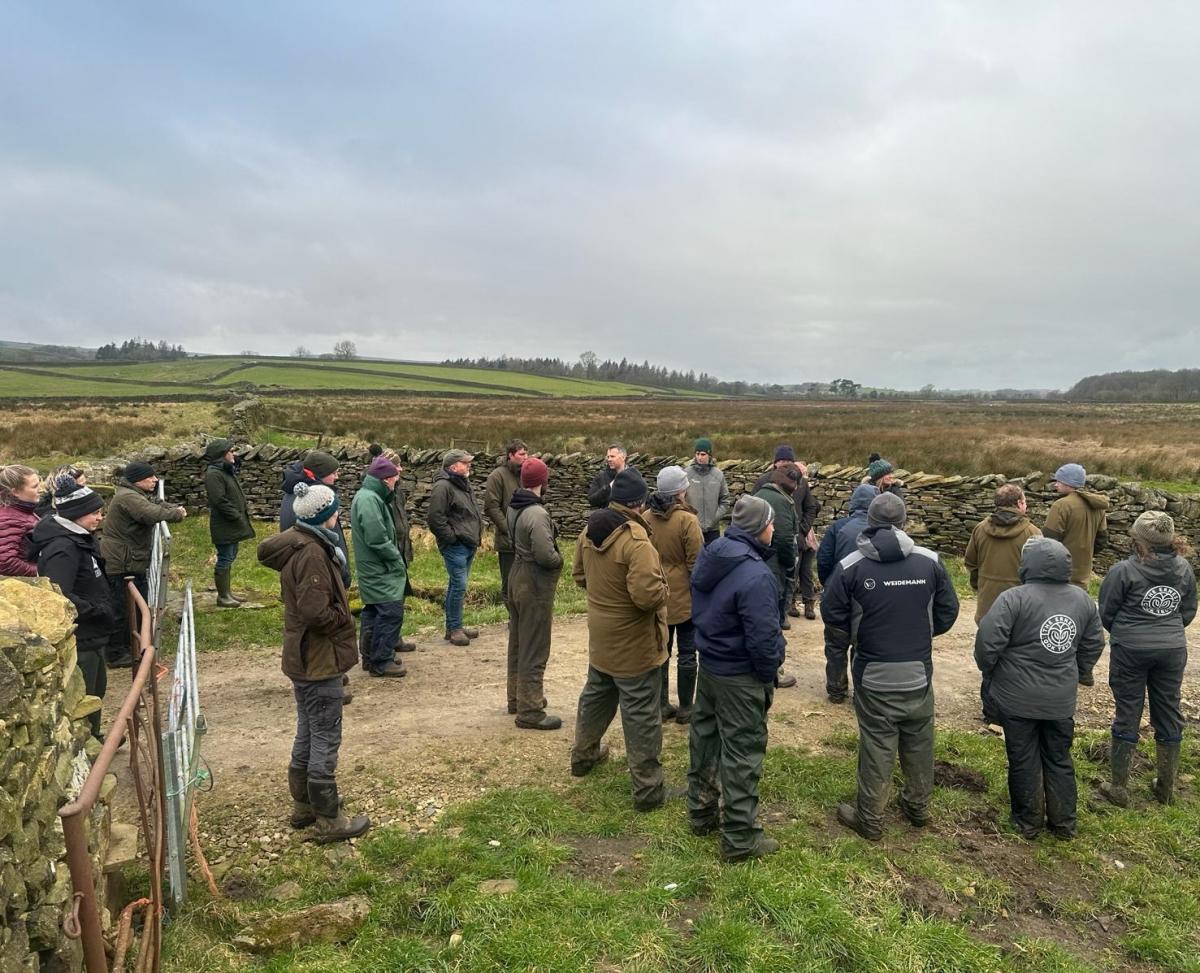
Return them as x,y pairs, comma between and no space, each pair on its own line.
890,722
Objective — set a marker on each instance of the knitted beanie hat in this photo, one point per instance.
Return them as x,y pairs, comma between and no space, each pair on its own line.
1154,528
784,451
628,488
752,514
1072,475
382,468
137,470
879,468
534,473
887,510
314,504
320,464
703,445
72,501
671,480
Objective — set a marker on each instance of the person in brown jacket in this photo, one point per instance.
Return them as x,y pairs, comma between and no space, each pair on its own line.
677,536
993,555
498,489
627,597
1078,520
319,647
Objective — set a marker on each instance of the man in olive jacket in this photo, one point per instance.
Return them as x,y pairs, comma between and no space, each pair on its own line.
627,639
125,545
382,573
498,489
1078,519
228,515
778,491
318,648
1036,644
457,525
533,581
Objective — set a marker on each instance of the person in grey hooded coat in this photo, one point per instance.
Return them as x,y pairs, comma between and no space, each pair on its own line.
1035,645
1146,602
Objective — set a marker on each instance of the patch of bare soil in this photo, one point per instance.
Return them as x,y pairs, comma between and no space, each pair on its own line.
605,860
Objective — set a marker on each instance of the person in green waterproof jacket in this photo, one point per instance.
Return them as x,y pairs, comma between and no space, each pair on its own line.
228,516
382,573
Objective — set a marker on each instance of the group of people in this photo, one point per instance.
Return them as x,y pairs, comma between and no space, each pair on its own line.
662,579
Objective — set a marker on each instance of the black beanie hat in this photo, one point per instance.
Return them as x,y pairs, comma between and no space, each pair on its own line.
72,501
628,488
138,470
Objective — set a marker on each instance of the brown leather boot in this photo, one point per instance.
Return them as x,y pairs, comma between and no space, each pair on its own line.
458,637
810,609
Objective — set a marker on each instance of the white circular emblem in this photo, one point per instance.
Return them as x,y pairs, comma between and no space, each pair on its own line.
1058,633
1161,600
869,584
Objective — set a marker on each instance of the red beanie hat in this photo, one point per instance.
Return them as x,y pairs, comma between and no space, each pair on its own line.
534,473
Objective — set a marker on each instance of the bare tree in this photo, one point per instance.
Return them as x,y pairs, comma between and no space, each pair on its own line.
301,352
345,349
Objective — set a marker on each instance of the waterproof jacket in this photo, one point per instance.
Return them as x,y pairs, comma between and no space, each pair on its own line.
841,537
228,515
676,535
534,536
784,541
626,593
293,474
708,494
318,630
16,522
382,573
400,516
1078,520
453,515
129,528
601,486
735,608
1147,604
993,555
808,507
1039,638
891,597
501,483
70,557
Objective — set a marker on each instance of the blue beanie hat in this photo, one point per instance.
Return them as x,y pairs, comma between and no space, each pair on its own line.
1071,474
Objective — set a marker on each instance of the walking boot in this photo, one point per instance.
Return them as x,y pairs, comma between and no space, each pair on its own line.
793,609
847,814
810,609
1167,758
583,769
390,669
471,633
333,823
403,645
687,692
458,637
1120,760
302,812
783,680
762,847
785,623
547,722
665,708
225,598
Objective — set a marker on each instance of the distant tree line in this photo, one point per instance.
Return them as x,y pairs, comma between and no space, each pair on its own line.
139,349
1158,385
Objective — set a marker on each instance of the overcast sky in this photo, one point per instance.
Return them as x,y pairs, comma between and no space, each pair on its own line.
973,195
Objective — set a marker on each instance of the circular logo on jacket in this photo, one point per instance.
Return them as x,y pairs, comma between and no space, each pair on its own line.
869,584
1161,600
1058,633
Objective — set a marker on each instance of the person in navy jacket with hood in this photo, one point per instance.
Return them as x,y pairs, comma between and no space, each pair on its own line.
735,599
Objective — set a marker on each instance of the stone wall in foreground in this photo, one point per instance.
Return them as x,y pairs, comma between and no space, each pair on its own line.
942,509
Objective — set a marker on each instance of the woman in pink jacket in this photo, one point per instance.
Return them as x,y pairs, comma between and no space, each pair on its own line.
18,498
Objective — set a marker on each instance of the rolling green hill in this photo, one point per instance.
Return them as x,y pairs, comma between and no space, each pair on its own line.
219,375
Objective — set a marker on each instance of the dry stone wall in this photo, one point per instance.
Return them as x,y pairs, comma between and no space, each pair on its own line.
942,509
46,749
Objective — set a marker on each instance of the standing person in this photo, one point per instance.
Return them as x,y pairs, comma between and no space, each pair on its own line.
318,649
497,492
741,649
601,484
382,573
890,598
1146,602
312,468
881,475
18,516
1034,646
125,546
993,558
785,456
676,535
1078,519
841,538
808,508
64,545
403,542
457,525
627,639
228,515
778,492
534,579
707,490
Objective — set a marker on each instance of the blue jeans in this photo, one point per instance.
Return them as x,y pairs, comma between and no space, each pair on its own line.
457,558
384,620
226,555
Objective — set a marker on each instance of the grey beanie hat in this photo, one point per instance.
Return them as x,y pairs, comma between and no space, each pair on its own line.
752,514
314,504
1154,528
886,510
1072,475
671,480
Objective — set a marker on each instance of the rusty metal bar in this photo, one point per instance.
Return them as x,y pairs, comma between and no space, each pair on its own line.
128,722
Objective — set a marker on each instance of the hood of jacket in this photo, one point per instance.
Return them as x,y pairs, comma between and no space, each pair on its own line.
1161,567
1097,501
50,528
704,469
885,544
294,473
1005,522
603,525
523,498
861,498
662,506
724,554
1044,560
276,551
456,479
